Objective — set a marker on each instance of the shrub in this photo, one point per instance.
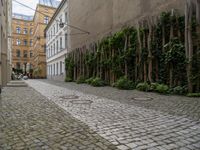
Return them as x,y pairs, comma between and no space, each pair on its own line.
124,83
97,82
179,90
161,88
193,94
67,79
143,87
89,81
80,80
153,86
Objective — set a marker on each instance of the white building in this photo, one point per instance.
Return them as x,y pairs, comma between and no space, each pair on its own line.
57,43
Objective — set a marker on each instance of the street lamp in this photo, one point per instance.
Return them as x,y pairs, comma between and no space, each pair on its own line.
61,25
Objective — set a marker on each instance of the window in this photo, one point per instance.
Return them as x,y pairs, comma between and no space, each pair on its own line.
54,30
31,42
18,65
46,19
25,54
65,40
25,42
56,68
18,42
51,50
57,26
60,19
25,31
31,31
31,54
66,17
57,45
18,53
60,43
60,67
18,30
31,66
45,47
54,48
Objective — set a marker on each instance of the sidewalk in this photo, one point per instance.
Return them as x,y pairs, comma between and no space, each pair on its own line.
28,120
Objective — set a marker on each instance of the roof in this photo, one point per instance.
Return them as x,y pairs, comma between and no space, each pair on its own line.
22,17
55,14
50,3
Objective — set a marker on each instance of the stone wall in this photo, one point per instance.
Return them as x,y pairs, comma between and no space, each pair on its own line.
104,17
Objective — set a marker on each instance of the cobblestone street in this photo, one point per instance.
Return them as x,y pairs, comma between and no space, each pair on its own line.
125,125
29,121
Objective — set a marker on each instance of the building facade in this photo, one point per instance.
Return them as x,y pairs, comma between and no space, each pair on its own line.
57,43
104,17
5,24
29,45
22,45
43,14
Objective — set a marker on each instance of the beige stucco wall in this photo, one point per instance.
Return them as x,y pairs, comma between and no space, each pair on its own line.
5,8
102,17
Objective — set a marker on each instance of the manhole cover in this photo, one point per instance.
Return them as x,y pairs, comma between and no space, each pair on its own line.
142,98
80,103
69,97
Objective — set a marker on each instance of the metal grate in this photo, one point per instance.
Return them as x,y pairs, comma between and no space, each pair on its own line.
142,98
67,97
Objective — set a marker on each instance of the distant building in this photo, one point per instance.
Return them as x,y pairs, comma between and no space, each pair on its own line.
5,30
22,46
57,43
29,45
44,11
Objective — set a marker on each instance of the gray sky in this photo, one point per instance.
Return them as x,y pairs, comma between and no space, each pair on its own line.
17,8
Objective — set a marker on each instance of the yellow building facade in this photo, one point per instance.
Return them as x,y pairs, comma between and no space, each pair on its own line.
41,18
22,44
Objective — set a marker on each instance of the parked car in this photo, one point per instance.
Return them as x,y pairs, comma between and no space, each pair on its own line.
25,77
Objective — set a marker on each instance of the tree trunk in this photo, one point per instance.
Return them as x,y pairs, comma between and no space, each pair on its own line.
145,72
171,75
149,52
163,38
188,43
125,61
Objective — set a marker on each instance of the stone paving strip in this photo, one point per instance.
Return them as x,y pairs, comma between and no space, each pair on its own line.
171,104
29,121
126,126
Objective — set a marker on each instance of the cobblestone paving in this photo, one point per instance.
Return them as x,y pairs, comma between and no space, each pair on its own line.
124,125
174,105
29,121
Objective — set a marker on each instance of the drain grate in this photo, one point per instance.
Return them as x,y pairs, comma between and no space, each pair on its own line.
142,98
69,97
80,103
